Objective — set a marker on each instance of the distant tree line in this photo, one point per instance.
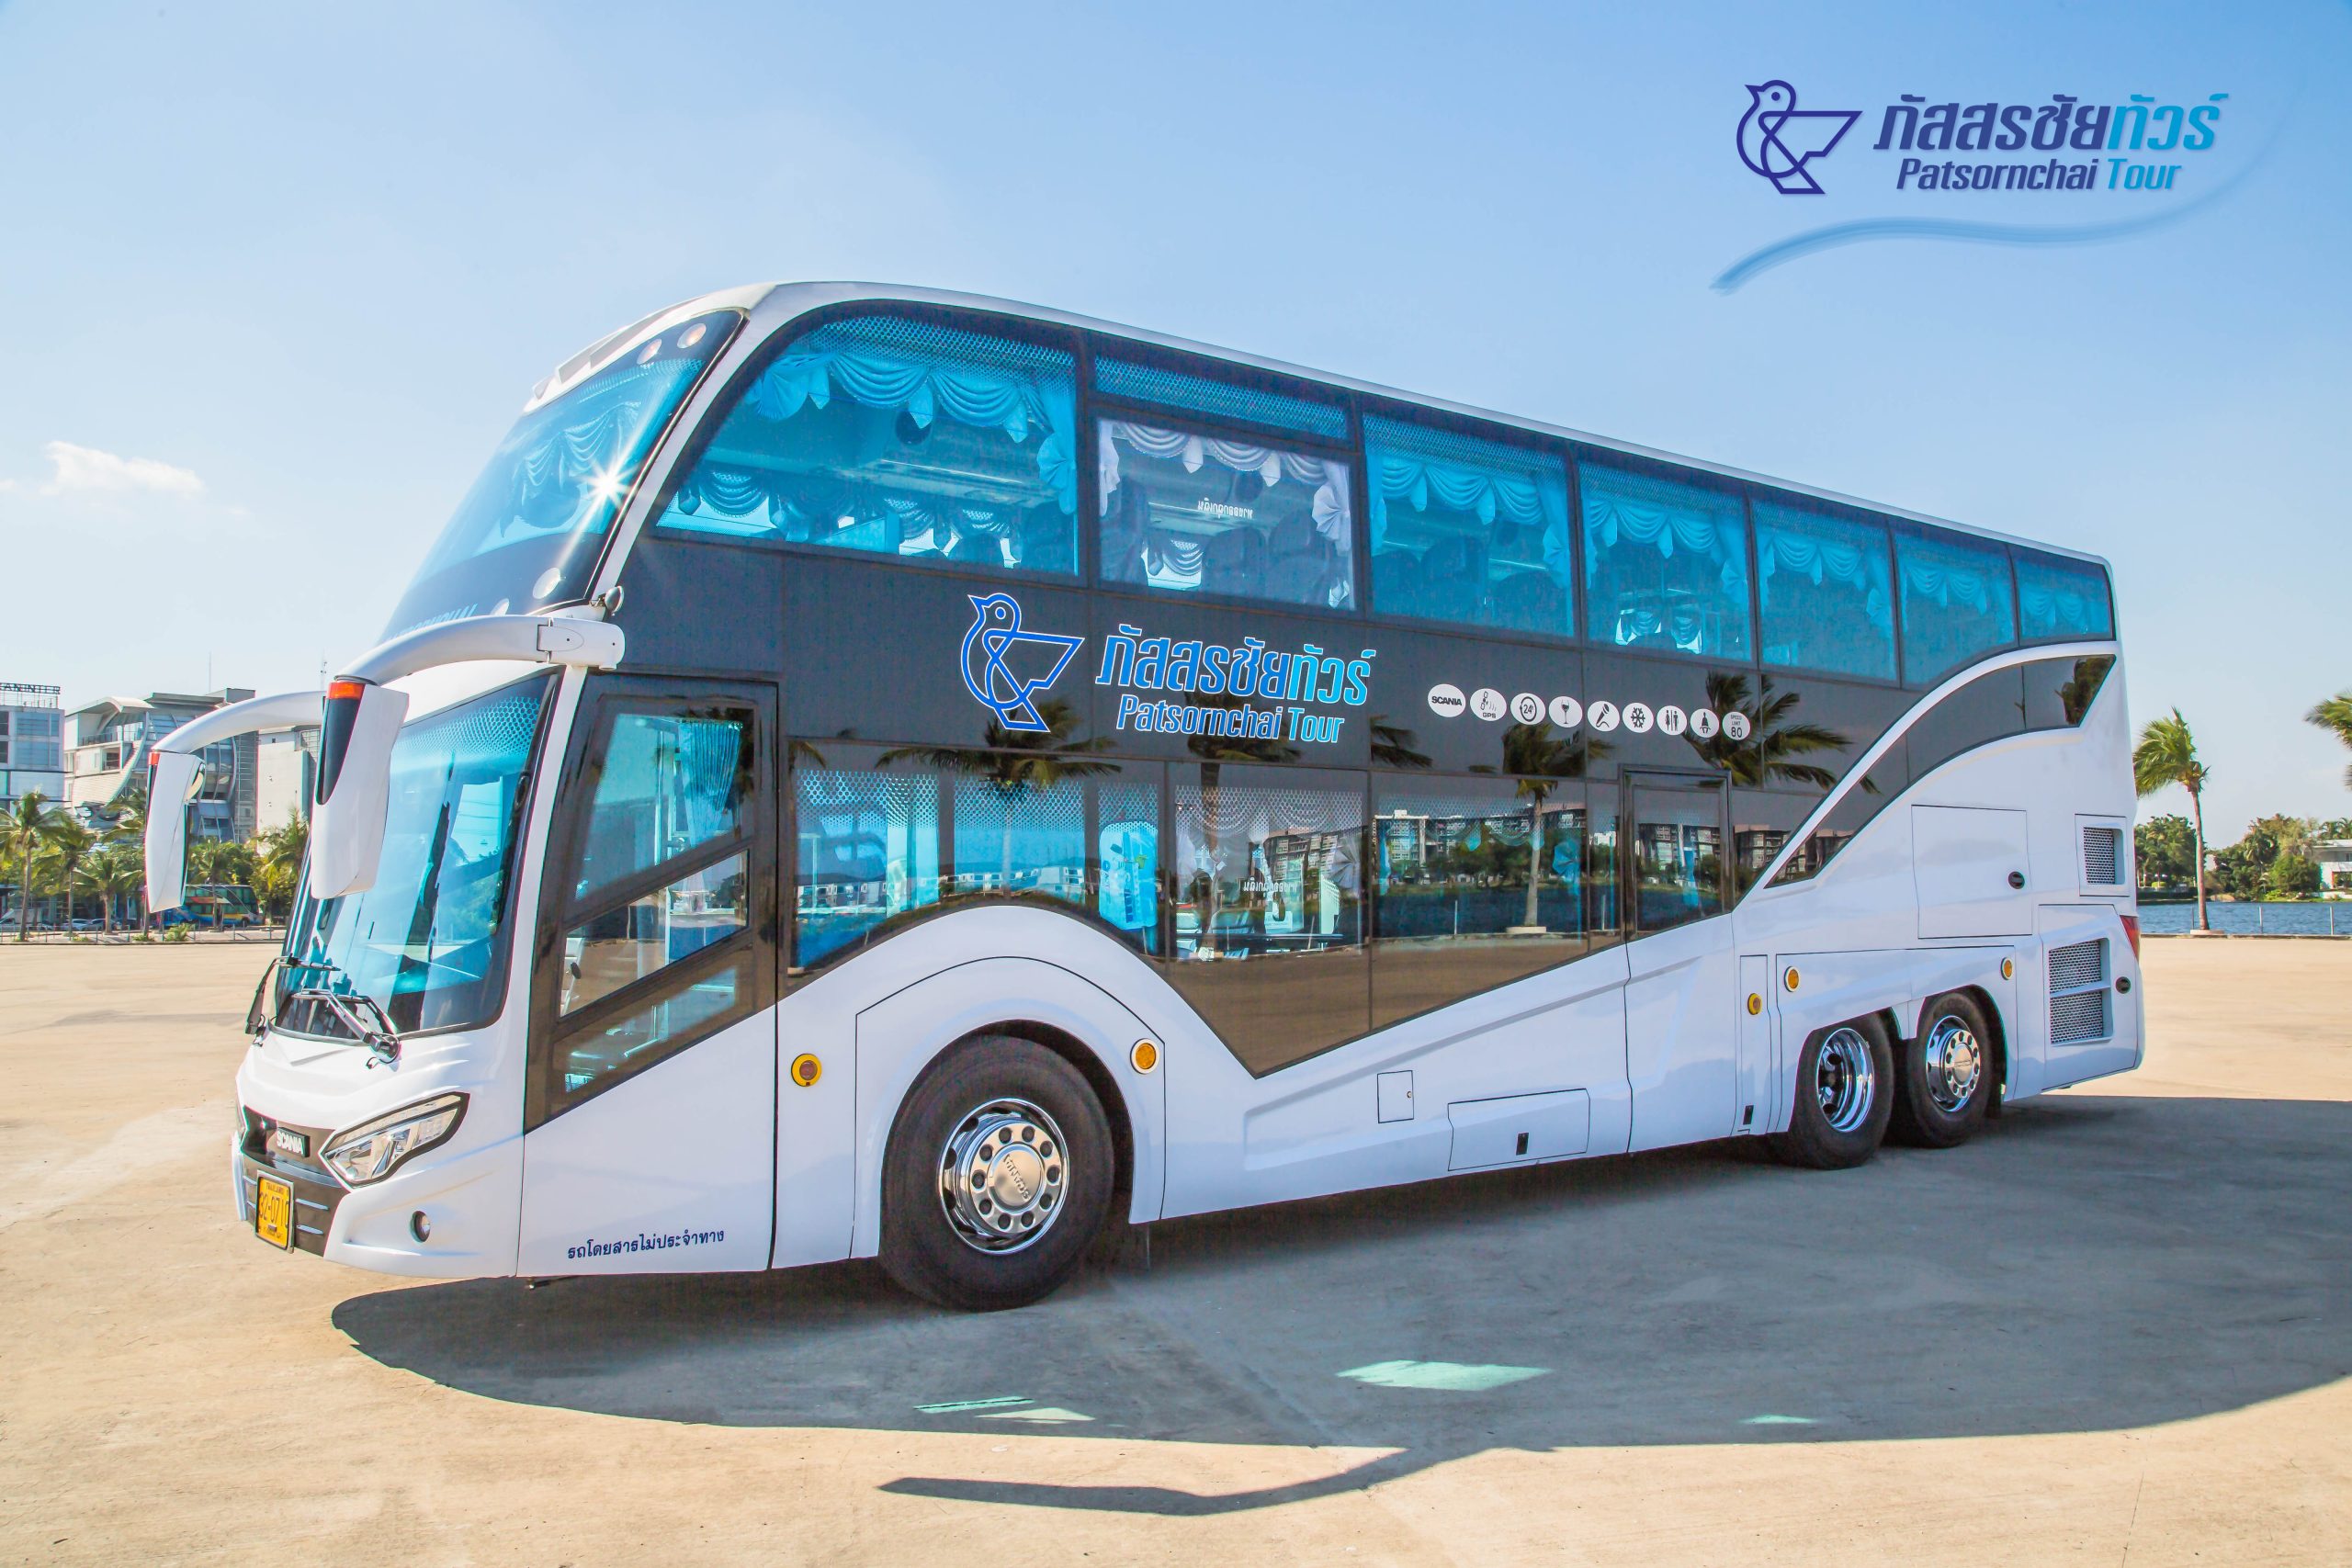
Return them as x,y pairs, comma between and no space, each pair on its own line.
2275,858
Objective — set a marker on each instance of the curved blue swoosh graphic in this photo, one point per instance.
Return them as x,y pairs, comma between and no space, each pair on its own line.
1814,241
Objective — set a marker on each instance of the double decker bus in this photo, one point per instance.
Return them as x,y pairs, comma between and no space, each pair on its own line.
870,772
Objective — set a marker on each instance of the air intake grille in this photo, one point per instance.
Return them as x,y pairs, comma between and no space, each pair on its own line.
2080,1016
2078,992
2103,857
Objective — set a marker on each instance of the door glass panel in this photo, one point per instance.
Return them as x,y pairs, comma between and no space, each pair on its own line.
626,944
668,784
1678,868
650,1031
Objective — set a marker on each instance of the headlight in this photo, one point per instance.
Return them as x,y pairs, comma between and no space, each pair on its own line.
373,1150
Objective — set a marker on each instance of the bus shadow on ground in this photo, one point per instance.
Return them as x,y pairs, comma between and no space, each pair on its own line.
2087,1264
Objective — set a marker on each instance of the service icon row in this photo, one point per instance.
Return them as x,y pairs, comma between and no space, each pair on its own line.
1448,702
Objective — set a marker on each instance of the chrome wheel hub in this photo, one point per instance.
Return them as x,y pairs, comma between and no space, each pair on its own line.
1954,1061
1844,1080
1001,1175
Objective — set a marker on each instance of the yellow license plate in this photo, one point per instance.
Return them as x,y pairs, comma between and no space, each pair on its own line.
274,1213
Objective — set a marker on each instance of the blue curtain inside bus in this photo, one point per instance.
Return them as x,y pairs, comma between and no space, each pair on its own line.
1466,531
898,438
1666,564
1185,512
2061,597
1956,602
1827,592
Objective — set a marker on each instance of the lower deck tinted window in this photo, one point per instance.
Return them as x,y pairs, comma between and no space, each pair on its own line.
1477,883
887,833
1269,908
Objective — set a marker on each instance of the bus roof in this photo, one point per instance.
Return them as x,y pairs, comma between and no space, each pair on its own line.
775,305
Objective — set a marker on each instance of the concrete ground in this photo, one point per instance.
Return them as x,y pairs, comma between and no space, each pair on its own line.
2117,1329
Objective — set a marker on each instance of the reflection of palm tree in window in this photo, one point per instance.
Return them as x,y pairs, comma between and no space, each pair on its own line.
1392,745
1015,764
1774,742
1539,758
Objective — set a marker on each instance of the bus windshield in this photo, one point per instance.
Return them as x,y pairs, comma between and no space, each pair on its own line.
528,533
425,941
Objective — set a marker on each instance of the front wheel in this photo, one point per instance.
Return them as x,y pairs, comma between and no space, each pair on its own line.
1945,1076
999,1173
1845,1093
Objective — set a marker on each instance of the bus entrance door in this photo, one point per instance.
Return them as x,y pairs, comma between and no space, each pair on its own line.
650,1114
1681,1059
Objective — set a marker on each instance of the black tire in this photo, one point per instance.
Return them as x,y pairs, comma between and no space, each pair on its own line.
1846,1130
971,1087
1931,1111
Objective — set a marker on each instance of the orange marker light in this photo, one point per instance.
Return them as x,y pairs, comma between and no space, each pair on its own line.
1755,1004
807,1070
1790,979
1145,1056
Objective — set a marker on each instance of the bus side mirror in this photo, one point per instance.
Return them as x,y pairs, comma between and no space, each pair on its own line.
171,780
360,723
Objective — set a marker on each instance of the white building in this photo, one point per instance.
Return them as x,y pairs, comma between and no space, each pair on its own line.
2335,858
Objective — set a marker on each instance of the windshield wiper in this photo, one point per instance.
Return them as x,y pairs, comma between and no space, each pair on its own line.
383,1042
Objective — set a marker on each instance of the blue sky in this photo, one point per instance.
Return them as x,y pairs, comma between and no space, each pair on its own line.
276,277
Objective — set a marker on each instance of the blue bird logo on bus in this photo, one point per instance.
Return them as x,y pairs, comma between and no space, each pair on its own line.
996,643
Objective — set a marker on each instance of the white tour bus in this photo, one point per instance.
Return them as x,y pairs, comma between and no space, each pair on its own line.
873,771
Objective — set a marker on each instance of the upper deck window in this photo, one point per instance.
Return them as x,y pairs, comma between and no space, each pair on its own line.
1825,588
1666,564
1468,531
1188,512
1956,602
901,438
2061,597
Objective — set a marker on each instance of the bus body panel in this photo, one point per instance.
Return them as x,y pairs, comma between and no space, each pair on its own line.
672,1170
1682,1044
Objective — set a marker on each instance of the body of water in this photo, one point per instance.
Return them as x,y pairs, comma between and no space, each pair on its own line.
2325,917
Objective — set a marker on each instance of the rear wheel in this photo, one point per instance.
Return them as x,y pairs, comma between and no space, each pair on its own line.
1944,1078
997,1174
1844,1092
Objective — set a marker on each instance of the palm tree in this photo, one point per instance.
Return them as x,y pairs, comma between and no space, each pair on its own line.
1540,760
2335,715
69,845
278,869
24,834
115,870
1015,763
2166,755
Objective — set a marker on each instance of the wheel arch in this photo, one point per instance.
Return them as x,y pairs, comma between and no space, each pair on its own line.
903,1037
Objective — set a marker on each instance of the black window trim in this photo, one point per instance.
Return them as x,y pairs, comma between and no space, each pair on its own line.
604,698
